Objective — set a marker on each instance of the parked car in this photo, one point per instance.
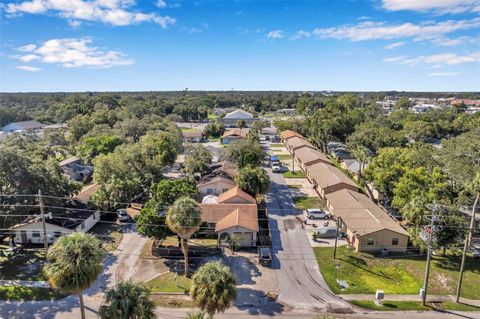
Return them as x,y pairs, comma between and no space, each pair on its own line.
122,215
276,168
327,232
316,213
274,159
275,139
264,256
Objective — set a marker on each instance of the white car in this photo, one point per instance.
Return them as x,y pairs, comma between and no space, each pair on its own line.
123,215
276,168
316,213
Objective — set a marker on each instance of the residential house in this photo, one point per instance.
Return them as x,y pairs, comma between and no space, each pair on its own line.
233,135
231,119
194,136
368,227
74,170
296,143
328,179
215,185
77,216
353,166
23,126
307,156
225,168
234,214
285,135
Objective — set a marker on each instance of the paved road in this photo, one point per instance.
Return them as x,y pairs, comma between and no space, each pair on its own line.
299,280
120,265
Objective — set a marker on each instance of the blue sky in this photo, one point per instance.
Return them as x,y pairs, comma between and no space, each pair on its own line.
127,45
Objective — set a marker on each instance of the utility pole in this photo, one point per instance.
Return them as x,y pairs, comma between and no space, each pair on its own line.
468,241
336,238
42,216
435,208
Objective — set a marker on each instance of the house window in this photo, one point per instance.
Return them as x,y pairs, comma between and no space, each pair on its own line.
370,241
394,241
36,234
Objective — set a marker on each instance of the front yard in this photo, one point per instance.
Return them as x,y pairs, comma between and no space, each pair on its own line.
365,273
307,202
168,283
26,264
19,293
296,174
413,305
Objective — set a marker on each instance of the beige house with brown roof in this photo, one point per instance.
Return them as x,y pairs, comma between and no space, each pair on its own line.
194,136
215,185
295,143
285,135
232,219
328,179
233,135
236,196
368,226
307,156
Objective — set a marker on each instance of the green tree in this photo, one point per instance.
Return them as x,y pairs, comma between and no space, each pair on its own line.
241,123
151,221
260,125
127,300
184,219
418,130
450,230
214,129
195,315
253,135
252,180
91,147
244,152
167,191
213,288
74,263
403,104
198,159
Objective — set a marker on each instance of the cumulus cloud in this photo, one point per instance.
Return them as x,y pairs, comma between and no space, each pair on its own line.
74,53
443,74
437,60
28,68
161,3
113,12
394,45
275,34
439,6
370,30
27,48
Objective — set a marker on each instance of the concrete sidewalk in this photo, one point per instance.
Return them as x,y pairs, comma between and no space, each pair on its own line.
430,298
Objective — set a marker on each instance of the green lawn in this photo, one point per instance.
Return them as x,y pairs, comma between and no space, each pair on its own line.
296,174
277,145
295,186
190,129
413,305
397,275
24,265
174,303
284,157
166,283
306,202
19,293
212,116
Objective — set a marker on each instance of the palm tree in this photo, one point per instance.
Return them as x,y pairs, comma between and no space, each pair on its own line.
183,218
241,124
74,263
213,288
195,315
127,300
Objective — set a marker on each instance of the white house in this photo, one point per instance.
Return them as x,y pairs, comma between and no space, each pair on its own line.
215,185
230,119
23,126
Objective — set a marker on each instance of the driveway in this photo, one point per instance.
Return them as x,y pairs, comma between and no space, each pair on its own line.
299,280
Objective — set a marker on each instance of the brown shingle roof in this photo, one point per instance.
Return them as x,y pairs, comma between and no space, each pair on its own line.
360,214
192,134
87,192
236,132
212,213
229,168
308,156
238,217
295,143
325,175
289,134
215,180
236,195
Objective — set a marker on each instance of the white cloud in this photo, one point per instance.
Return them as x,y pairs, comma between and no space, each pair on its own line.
369,30
437,60
300,35
27,48
113,12
444,74
161,3
394,45
275,34
28,68
74,53
439,6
